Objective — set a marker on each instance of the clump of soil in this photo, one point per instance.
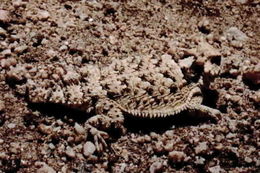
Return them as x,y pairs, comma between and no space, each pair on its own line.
217,42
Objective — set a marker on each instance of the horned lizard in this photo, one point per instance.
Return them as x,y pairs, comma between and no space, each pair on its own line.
141,86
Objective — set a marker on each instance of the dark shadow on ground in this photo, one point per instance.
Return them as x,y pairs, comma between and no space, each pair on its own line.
133,124
60,112
160,125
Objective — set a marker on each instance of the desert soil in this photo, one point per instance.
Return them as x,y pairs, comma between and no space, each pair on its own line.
46,138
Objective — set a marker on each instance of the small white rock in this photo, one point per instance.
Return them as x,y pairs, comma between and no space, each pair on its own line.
112,39
241,1
18,3
43,15
2,31
6,52
4,16
79,129
2,106
51,53
88,149
234,33
20,49
70,152
231,135
215,169
51,146
248,159
3,155
177,156
11,125
63,47
46,169
45,129
199,160
201,147
186,63
155,167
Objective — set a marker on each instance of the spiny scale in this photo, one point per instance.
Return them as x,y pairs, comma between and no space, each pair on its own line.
157,113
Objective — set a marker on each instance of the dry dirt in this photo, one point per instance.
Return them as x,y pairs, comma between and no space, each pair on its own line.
47,138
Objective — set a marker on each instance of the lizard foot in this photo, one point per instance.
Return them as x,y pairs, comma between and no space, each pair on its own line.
99,137
214,113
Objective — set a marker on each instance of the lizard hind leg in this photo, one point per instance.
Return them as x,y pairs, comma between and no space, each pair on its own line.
107,119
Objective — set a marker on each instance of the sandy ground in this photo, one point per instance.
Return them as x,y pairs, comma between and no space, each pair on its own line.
47,138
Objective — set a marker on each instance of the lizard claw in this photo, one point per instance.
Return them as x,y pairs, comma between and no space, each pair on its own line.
99,138
215,114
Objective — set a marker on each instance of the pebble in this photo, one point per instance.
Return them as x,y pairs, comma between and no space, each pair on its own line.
11,125
257,123
71,139
199,160
186,63
156,167
215,169
43,15
177,156
236,98
242,1
51,53
234,72
2,32
88,149
248,160
2,106
236,44
45,129
112,39
19,3
219,146
204,25
3,44
79,129
231,135
70,152
20,49
14,147
257,162
6,52
3,155
63,47
234,33
46,169
51,146
158,148
208,50
169,134
169,146
201,147
59,122
4,16
147,138
154,135
6,63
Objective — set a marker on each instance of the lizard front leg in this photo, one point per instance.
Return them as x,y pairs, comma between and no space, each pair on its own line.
108,117
196,104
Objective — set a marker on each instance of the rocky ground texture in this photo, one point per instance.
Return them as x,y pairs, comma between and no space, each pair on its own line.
217,41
